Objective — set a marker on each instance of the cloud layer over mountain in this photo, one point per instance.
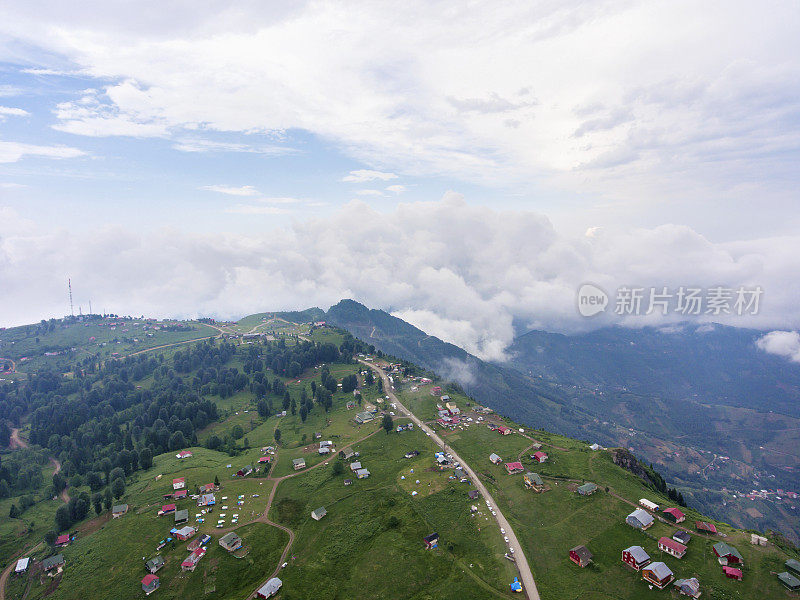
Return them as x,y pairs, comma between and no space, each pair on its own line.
467,274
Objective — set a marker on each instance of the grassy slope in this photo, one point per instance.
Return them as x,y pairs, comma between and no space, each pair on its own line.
107,563
550,523
354,552
20,342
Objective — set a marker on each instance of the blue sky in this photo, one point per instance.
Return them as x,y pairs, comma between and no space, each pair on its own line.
220,159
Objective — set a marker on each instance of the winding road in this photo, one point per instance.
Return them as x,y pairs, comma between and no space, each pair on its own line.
16,440
525,574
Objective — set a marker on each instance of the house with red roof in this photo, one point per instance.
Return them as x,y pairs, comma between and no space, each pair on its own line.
732,573
672,547
514,467
504,430
264,459
540,456
674,514
703,526
178,483
166,509
180,494
184,454
191,562
62,540
150,584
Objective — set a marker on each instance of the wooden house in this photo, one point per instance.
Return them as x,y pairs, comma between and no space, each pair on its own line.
580,555
635,557
674,514
150,584
657,574
672,547
533,481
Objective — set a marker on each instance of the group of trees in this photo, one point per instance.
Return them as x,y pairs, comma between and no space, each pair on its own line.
102,425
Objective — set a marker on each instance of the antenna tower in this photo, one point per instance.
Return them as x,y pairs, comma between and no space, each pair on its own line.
71,308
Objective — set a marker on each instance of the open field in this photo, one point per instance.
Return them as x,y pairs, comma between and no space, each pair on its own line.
370,543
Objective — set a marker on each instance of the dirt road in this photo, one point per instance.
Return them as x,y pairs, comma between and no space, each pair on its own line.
525,573
16,440
264,517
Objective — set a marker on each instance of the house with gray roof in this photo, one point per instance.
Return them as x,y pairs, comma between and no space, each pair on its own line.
270,588
789,581
689,587
587,489
640,519
318,513
230,541
793,566
181,516
53,562
635,557
154,564
657,574
364,417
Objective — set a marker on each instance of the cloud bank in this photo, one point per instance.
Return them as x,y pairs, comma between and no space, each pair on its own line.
467,274
639,102
782,343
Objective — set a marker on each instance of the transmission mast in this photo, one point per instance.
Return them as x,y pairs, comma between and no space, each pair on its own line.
71,308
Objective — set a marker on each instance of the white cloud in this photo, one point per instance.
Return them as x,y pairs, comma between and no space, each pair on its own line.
94,116
245,190
9,111
256,209
10,185
782,343
58,72
397,189
369,193
467,274
362,175
714,125
203,145
13,151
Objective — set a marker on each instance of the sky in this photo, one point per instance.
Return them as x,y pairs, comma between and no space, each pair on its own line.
466,166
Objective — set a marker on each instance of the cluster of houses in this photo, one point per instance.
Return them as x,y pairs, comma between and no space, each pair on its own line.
501,429
360,471
790,578
658,574
443,462
197,550
326,447
52,565
449,413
